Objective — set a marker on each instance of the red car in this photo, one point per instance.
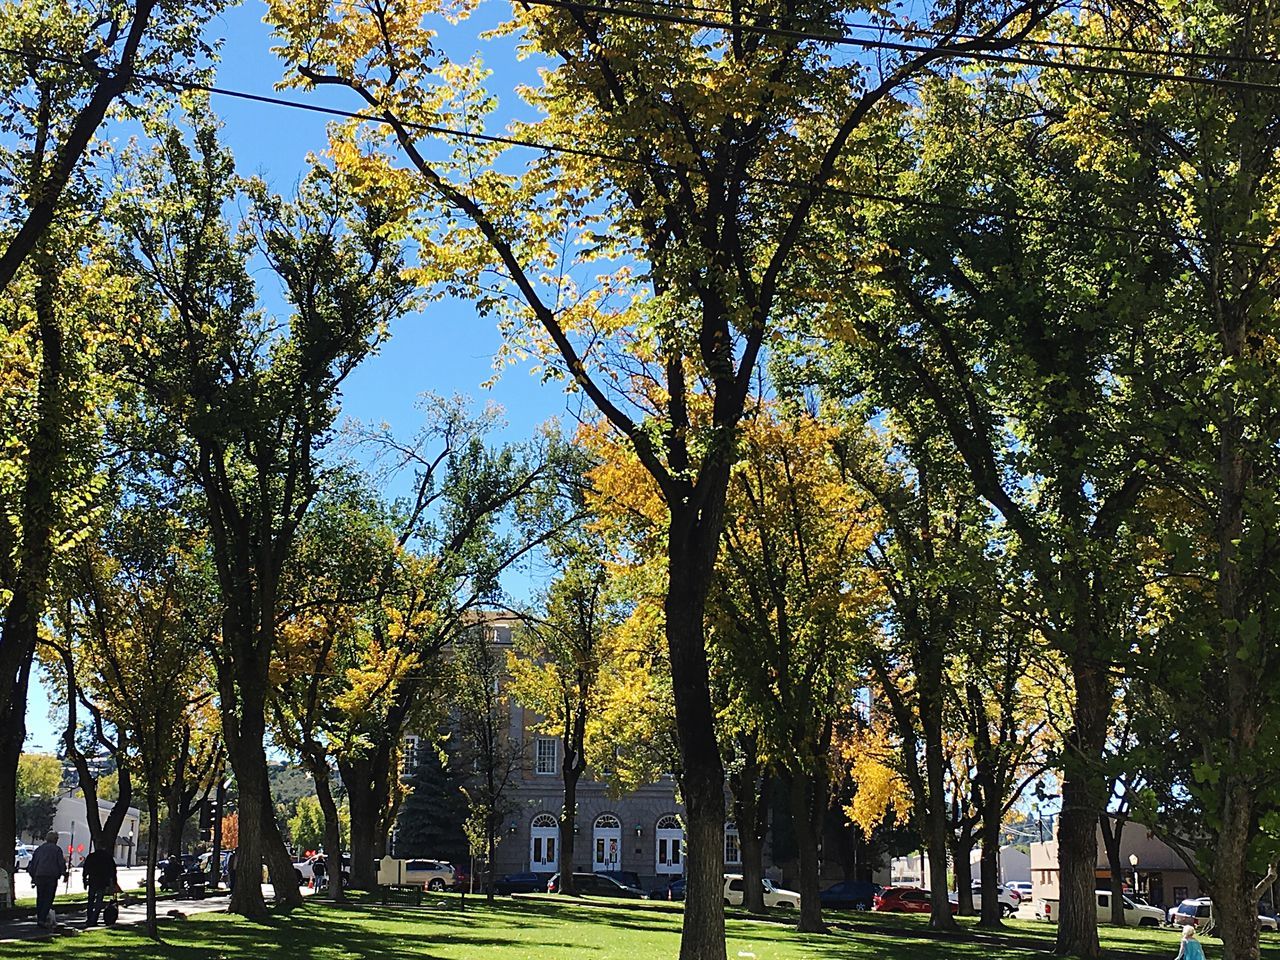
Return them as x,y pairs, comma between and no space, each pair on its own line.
905,900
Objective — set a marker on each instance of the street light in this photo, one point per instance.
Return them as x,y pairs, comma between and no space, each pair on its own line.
1133,862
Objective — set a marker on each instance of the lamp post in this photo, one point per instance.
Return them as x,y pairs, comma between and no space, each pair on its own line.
1133,862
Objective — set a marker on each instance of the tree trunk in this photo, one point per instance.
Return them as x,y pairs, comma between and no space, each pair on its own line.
251,781
962,850
989,868
27,574
1234,890
490,844
567,822
332,830
13,731
691,554
1083,801
937,828
806,797
153,855
750,814
1112,831
366,779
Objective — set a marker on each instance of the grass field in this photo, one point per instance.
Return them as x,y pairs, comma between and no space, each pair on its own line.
540,929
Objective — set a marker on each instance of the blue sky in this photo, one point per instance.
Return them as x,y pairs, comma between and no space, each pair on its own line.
446,349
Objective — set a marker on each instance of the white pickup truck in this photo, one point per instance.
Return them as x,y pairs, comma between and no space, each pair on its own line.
1135,914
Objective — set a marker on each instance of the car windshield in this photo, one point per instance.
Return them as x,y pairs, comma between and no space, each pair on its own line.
768,886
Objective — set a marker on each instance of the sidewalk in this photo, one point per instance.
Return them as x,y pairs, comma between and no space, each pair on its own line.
71,916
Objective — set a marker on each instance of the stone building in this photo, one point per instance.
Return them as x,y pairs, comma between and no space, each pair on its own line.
640,832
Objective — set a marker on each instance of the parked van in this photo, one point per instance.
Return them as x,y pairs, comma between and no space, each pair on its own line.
1135,914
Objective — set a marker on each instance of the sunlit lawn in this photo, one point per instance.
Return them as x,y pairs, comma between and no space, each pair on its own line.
524,929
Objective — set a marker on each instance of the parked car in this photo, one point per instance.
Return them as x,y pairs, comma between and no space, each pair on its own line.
432,874
1198,912
905,900
774,896
849,895
1024,889
1009,899
21,856
673,891
627,878
1135,915
520,883
461,879
597,885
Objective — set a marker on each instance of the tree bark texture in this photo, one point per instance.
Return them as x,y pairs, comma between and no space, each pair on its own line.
691,551
1083,802
808,805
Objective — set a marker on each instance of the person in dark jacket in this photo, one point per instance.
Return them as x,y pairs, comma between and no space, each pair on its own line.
48,865
99,880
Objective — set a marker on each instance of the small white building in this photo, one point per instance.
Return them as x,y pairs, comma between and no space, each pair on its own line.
913,871
72,824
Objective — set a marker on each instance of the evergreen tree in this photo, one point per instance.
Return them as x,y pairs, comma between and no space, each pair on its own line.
431,818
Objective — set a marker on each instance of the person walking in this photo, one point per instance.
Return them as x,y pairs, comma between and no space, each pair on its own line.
99,880
48,865
319,872
231,872
1190,949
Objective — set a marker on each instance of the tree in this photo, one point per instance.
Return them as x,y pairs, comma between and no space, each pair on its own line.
307,828
794,600
676,142
247,400
1038,361
39,778
555,670
396,584
432,819
80,59
484,723
1216,560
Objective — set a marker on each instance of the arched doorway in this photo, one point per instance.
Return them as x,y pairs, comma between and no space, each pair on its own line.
669,837
607,835
544,841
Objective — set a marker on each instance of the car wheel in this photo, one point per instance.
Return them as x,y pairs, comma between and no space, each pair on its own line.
1006,910
786,905
727,903
862,905
437,885
1148,922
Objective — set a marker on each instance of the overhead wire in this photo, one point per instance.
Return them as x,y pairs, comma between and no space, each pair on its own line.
949,51
910,30
442,131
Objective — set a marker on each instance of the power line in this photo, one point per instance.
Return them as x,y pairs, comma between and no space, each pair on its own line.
621,159
903,30
943,50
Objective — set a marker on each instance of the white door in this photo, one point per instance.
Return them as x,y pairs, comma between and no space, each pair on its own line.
607,837
544,841
670,842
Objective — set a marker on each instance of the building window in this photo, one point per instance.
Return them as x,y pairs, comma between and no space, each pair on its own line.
544,756
409,756
732,851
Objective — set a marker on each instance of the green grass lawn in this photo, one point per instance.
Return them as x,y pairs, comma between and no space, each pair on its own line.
540,929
